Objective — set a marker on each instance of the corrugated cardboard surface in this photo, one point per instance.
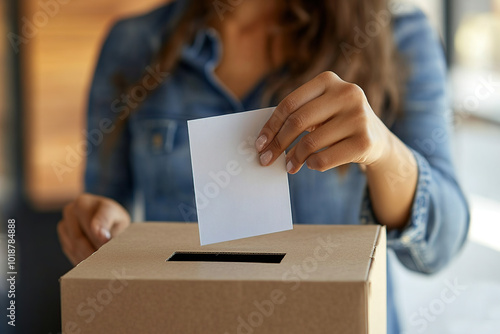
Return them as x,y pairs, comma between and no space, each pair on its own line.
331,280
377,286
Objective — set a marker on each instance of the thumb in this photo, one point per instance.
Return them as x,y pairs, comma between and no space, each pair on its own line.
102,222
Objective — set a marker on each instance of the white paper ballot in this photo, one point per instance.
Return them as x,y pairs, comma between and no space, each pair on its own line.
236,197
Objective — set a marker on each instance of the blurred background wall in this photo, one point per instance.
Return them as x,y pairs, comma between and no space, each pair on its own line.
4,103
43,90
59,63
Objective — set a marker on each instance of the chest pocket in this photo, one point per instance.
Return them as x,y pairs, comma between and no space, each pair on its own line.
162,164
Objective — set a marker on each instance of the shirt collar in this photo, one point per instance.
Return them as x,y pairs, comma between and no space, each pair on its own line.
206,48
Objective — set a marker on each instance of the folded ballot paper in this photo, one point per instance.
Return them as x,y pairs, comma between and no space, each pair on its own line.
236,197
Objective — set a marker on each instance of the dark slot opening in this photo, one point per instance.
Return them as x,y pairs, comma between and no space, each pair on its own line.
227,257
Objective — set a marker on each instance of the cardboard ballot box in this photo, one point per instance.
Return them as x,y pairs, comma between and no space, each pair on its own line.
156,278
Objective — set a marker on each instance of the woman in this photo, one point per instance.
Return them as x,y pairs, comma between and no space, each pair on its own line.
356,87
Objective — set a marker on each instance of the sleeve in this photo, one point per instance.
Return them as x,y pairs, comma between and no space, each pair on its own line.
108,170
439,219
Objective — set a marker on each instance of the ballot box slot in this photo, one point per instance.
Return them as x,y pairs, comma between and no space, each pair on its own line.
226,257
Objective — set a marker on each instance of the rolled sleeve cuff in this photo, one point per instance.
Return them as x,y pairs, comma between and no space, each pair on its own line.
415,229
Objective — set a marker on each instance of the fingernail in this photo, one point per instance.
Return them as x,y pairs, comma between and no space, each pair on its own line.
106,233
265,158
289,166
260,142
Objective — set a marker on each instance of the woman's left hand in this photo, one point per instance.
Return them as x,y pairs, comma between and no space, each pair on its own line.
342,127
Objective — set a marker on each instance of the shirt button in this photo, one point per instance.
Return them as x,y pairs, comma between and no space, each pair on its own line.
157,141
405,239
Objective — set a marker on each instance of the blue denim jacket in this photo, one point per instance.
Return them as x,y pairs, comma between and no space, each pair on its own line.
151,156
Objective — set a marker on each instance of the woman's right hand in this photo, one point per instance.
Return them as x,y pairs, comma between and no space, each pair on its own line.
88,223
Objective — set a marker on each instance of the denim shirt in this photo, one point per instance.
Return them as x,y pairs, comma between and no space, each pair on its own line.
151,156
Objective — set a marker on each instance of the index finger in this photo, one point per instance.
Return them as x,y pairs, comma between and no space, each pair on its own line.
294,101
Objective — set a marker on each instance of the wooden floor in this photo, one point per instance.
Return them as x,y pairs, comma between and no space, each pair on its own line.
58,63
